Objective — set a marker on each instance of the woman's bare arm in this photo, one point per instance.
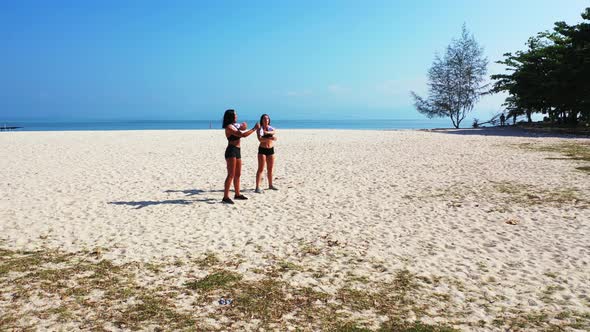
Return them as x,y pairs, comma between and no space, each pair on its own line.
246,133
270,132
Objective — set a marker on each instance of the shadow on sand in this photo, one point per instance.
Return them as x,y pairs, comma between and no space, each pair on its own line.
188,193
507,131
142,204
192,192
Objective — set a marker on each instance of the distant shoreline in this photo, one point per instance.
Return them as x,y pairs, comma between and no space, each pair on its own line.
484,131
390,124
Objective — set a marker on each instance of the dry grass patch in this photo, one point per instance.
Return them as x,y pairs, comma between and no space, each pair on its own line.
505,195
530,195
517,320
395,299
80,289
15,261
208,260
153,308
217,280
95,294
397,326
284,266
90,294
404,326
268,300
309,249
579,151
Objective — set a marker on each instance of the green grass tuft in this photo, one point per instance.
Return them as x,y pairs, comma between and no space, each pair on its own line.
217,280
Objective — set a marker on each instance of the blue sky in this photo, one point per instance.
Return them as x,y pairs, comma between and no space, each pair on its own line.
99,60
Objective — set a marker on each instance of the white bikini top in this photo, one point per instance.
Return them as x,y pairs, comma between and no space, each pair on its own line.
269,128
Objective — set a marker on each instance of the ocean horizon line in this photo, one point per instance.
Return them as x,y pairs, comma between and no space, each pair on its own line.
197,120
388,124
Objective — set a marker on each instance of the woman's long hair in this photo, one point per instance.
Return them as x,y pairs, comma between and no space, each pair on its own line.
262,117
228,118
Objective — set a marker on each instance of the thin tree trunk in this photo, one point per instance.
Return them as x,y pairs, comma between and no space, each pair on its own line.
528,116
573,119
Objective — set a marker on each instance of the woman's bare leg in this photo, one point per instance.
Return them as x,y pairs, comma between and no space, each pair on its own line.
270,162
261,162
237,174
231,166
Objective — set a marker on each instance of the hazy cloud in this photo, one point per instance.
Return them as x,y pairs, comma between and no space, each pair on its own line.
402,87
338,89
300,93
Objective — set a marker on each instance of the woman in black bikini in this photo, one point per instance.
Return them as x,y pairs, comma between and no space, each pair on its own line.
266,152
233,157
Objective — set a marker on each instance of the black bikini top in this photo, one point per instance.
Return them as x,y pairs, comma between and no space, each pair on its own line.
233,137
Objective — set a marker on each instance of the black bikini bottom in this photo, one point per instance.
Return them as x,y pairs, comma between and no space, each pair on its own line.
266,151
233,151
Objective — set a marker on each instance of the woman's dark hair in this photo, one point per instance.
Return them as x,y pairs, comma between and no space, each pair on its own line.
228,118
262,117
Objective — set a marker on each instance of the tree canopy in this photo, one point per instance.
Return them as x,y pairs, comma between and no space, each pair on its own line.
456,80
552,76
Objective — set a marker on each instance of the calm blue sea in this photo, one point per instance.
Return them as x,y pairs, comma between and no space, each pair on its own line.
205,124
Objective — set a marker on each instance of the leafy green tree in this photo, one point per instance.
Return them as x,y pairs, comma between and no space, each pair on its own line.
456,81
527,84
551,76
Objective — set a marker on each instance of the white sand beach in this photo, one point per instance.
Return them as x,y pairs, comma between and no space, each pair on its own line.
491,229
